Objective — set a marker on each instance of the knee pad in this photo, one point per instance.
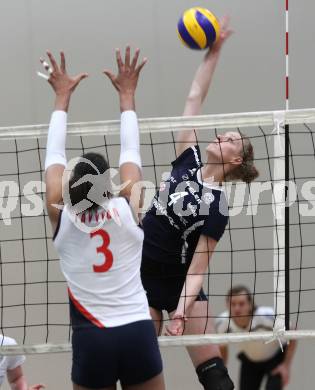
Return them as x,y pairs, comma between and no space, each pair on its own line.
213,375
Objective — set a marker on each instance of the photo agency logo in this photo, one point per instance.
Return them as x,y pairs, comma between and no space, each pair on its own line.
28,201
86,198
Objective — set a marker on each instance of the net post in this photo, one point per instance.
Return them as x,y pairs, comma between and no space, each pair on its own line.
287,229
287,176
279,221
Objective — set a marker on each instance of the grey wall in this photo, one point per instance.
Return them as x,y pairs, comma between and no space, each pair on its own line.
250,78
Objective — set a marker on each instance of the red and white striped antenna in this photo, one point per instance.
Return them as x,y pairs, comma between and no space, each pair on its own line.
287,105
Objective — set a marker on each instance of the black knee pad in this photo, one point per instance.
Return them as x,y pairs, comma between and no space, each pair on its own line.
213,375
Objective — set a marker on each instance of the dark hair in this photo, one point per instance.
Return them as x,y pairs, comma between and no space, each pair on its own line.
82,168
241,290
246,171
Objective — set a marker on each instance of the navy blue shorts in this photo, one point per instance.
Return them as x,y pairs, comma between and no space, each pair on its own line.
163,284
102,356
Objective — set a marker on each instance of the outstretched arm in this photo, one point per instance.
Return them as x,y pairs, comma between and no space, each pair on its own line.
193,284
125,82
63,86
200,86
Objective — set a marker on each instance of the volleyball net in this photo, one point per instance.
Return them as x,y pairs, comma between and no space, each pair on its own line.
268,245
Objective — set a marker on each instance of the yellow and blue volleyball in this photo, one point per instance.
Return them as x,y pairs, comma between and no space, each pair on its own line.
198,28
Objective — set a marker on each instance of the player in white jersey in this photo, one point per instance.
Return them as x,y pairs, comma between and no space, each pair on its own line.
11,367
100,244
258,359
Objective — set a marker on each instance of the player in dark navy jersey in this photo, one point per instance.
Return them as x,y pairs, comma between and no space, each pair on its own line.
188,207
187,218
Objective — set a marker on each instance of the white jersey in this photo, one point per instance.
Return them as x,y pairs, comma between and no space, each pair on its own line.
8,362
102,268
263,320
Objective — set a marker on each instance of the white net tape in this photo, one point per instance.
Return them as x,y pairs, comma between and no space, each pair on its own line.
174,341
159,125
167,125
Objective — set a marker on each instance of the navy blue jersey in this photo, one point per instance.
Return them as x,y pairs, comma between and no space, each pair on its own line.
184,208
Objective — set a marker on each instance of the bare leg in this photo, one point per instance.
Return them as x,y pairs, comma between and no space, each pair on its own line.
198,323
156,383
157,318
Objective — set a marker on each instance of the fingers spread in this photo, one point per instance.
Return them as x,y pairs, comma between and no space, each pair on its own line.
119,60
127,56
226,31
135,59
53,62
139,68
109,74
62,62
80,77
224,22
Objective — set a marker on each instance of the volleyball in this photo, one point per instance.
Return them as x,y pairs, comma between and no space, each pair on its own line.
198,28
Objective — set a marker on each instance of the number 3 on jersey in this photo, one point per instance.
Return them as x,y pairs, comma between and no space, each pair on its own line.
108,256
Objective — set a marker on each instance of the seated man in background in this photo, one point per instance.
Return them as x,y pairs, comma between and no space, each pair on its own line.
258,359
11,366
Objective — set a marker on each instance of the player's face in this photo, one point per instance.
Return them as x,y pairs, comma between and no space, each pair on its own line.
227,147
240,308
